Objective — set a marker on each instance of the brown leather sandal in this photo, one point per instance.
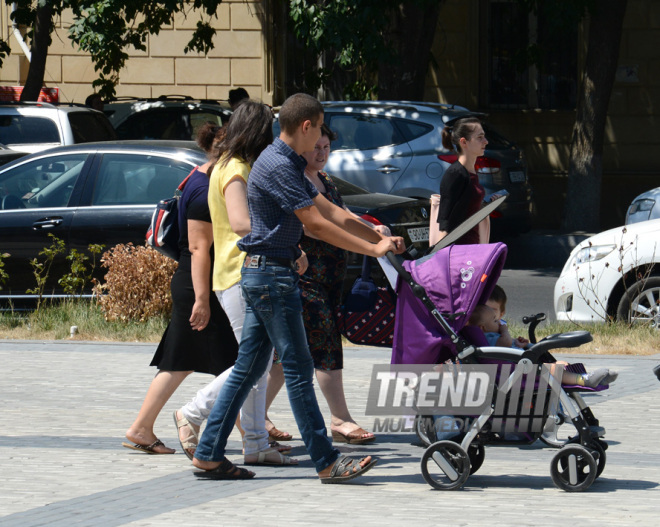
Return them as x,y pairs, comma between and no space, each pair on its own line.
226,470
278,435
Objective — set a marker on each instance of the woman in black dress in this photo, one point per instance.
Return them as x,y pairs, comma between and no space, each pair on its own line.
461,193
199,337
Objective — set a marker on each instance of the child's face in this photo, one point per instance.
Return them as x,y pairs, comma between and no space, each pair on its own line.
495,306
490,321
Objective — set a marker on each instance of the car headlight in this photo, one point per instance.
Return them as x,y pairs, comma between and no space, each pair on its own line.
641,206
593,253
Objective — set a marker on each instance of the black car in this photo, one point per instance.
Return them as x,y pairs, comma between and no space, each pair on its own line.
167,117
105,193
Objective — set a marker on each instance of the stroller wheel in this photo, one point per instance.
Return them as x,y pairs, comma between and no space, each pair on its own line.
598,447
573,468
477,454
601,457
425,429
445,465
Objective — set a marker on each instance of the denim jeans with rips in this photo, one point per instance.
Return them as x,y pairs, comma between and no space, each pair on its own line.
273,318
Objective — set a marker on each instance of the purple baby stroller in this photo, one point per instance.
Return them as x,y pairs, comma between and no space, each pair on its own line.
436,296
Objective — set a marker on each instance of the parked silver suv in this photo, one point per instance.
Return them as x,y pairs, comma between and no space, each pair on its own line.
34,126
395,147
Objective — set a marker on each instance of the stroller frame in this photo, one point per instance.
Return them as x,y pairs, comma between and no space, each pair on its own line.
447,464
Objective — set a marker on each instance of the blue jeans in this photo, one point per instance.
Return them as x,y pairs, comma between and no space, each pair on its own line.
273,318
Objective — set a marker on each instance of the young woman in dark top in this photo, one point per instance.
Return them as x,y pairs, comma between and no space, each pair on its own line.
461,193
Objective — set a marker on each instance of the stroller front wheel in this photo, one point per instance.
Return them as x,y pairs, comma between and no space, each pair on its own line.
573,468
445,465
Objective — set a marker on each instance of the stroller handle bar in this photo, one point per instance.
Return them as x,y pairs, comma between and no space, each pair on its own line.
463,348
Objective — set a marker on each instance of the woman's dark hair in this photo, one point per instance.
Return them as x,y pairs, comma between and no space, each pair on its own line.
462,128
207,134
248,132
326,131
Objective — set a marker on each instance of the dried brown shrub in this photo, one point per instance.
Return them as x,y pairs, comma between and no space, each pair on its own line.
137,284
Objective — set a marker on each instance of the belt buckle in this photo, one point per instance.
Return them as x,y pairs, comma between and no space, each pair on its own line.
252,262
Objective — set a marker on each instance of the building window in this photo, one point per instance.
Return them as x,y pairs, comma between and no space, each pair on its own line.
527,61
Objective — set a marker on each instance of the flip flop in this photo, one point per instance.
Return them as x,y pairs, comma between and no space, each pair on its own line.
278,435
225,470
186,444
262,460
147,449
346,464
353,438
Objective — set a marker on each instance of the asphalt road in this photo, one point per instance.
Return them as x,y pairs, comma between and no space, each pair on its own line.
529,291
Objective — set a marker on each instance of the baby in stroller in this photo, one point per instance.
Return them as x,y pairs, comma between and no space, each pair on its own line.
497,334
437,295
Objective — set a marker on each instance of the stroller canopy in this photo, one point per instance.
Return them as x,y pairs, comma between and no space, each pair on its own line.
456,279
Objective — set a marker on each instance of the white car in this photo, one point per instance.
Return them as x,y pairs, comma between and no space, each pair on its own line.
613,275
31,127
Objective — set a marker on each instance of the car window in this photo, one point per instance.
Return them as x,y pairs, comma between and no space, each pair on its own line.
160,123
132,179
412,130
27,129
90,126
42,183
202,117
362,132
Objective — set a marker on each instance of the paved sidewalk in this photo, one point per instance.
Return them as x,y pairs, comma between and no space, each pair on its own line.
67,405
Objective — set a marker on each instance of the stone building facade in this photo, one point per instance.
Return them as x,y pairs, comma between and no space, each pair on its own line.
251,50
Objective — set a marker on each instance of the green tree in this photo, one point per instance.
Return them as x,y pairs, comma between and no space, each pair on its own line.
384,45
105,29
585,169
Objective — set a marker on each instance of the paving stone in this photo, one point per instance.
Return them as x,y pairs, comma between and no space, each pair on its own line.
68,404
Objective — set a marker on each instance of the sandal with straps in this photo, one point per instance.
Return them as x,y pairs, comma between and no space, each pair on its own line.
225,470
346,464
190,442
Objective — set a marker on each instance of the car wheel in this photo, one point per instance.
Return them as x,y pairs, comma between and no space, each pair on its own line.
640,303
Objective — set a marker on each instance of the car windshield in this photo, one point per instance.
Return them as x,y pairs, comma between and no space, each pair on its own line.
26,129
347,189
495,140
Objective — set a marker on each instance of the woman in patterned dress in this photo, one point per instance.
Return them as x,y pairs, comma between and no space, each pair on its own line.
321,286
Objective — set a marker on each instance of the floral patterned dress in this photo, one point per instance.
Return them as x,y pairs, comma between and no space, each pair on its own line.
321,288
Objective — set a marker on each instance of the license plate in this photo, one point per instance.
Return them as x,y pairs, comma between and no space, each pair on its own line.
517,176
419,234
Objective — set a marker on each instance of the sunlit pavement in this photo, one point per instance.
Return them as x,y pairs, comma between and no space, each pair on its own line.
68,404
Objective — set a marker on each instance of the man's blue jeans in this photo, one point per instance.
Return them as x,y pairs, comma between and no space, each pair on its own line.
273,318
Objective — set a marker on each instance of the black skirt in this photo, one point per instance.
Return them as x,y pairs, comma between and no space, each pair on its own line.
212,350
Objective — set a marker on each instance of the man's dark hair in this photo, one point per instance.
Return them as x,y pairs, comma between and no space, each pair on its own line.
237,95
297,109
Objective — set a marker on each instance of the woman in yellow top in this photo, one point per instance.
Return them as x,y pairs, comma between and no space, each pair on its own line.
248,132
